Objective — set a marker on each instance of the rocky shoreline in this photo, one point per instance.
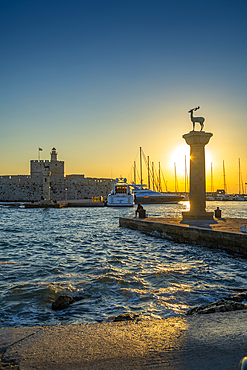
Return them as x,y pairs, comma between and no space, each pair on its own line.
232,303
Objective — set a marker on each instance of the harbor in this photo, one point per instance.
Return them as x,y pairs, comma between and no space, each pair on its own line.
109,271
117,270
197,225
123,185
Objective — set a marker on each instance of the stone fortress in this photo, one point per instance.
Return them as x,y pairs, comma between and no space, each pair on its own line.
26,188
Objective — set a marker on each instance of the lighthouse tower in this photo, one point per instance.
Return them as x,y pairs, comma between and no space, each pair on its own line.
53,155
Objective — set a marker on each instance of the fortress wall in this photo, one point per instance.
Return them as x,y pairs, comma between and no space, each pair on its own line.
36,168
56,167
20,188
24,188
79,187
30,187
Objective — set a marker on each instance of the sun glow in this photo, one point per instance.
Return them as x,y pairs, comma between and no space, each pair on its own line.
180,159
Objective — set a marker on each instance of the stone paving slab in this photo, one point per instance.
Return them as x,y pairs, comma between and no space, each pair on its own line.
220,224
214,341
10,336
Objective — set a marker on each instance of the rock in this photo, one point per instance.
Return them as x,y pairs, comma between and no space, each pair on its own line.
80,297
125,317
240,297
63,301
222,305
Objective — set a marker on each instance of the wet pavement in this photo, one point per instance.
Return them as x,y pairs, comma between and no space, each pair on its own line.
213,341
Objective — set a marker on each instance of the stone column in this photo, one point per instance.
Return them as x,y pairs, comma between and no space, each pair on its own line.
197,141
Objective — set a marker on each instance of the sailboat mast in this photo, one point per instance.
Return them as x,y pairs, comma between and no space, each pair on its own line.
135,172
239,177
175,171
153,173
159,178
148,174
185,175
141,163
164,181
212,183
240,180
224,177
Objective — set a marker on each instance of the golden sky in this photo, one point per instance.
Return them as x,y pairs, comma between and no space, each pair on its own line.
97,80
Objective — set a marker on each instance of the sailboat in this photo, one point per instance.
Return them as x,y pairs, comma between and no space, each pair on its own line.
143,194
240,196
211,196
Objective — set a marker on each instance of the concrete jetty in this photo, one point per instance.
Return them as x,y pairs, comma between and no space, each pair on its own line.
45,205
68,203
213,341
85,203
224,232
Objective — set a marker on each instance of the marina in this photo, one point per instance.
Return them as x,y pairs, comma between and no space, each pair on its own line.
123,185
83,251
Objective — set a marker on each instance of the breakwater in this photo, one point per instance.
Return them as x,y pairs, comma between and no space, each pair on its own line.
223,232
82,251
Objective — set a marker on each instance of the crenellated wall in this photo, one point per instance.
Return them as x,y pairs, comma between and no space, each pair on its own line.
24,188
30,187
56,168
80,187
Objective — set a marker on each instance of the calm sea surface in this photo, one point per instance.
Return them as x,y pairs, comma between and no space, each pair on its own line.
82,251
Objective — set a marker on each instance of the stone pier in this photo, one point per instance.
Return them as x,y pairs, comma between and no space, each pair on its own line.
197,141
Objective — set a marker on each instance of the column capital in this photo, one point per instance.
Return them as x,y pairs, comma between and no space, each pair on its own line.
197,138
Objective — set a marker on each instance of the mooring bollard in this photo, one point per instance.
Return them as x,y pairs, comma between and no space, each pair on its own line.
243,228
217,213
142,213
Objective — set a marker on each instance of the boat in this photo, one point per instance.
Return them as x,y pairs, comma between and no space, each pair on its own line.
121,194
147,196
210,197
222,196
240,197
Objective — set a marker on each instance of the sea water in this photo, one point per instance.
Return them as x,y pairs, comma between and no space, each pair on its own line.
84,252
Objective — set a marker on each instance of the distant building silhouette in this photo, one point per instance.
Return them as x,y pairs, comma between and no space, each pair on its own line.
30,187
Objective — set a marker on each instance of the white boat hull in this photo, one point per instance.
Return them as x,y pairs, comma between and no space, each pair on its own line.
116,201
121,195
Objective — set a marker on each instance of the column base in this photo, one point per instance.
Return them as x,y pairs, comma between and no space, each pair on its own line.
203,215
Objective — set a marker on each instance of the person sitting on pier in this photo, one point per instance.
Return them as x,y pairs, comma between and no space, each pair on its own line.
139,207
141,211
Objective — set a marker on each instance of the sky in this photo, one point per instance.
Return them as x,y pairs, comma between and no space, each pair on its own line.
98,79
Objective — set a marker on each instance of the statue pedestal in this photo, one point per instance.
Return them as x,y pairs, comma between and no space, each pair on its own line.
197,141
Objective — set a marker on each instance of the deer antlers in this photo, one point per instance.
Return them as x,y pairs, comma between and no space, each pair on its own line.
194,109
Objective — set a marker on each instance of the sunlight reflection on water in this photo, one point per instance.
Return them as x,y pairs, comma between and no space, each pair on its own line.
83,251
